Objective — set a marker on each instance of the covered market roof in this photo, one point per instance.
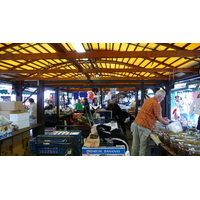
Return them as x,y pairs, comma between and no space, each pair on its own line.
98,64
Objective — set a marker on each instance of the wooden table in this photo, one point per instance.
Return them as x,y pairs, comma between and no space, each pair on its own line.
19,139
162,146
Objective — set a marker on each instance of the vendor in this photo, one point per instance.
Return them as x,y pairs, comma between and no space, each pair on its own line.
118,115
79,107
33,111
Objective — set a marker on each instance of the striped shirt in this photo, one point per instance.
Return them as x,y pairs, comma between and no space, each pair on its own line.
148,114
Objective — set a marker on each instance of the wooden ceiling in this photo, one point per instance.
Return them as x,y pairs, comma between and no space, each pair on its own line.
101,65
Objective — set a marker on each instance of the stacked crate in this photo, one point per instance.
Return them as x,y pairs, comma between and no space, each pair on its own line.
77,134
51,145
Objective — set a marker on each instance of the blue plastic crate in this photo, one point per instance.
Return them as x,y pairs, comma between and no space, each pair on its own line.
78,136
77,140
48,145
99,120
48,150
32,146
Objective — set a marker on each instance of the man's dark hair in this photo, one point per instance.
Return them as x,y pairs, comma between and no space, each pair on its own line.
31,100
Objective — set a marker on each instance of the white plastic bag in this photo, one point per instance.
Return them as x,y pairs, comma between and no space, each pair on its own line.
175,127
4,121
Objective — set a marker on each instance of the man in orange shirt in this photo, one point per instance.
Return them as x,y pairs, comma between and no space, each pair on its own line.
145,121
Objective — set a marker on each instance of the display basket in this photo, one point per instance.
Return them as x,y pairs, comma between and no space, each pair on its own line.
51,145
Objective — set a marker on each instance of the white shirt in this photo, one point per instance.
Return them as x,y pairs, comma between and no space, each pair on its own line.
33,110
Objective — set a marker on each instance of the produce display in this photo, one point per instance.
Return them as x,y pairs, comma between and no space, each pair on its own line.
184,143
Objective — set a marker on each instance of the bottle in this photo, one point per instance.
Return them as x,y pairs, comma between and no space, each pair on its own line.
95,115
185,125
110,142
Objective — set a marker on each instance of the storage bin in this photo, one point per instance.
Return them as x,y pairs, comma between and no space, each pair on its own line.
99,120
48,145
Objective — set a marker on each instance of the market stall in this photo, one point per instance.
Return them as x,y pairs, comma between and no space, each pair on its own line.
176,141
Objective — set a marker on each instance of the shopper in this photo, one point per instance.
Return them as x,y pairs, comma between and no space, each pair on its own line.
176,109
79,106
144,122
86,106
117,115
33,111
183,109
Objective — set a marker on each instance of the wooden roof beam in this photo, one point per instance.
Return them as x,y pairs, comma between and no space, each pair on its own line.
58,47
128,65
92,78
99,70
102,54
9,46
79,67
100,83
89,89
170,46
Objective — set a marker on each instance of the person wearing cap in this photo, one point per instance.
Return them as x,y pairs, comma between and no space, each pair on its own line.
32,111
145,120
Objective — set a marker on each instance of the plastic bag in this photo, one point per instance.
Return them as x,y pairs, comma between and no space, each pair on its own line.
4,121
175,127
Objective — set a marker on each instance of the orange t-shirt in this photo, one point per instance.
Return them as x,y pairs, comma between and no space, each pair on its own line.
91,95
148,114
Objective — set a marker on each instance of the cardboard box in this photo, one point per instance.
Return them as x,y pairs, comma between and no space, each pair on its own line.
11,105
131,110
15,115
18,111
92,142
5,114
22,124
19,117
104,151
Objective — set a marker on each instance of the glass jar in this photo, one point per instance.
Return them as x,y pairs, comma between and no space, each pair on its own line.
191,136
191,141
161,136
182,137
195,151
183,149
174,143
166,140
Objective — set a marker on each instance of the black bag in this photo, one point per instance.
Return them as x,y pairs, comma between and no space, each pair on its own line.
105,132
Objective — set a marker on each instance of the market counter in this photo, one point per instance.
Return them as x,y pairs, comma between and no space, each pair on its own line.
163,149
17,143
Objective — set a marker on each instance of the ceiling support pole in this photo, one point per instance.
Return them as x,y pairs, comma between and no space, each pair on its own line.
18,90
142,92
57,104
40,107
168,100
137,102
101,98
